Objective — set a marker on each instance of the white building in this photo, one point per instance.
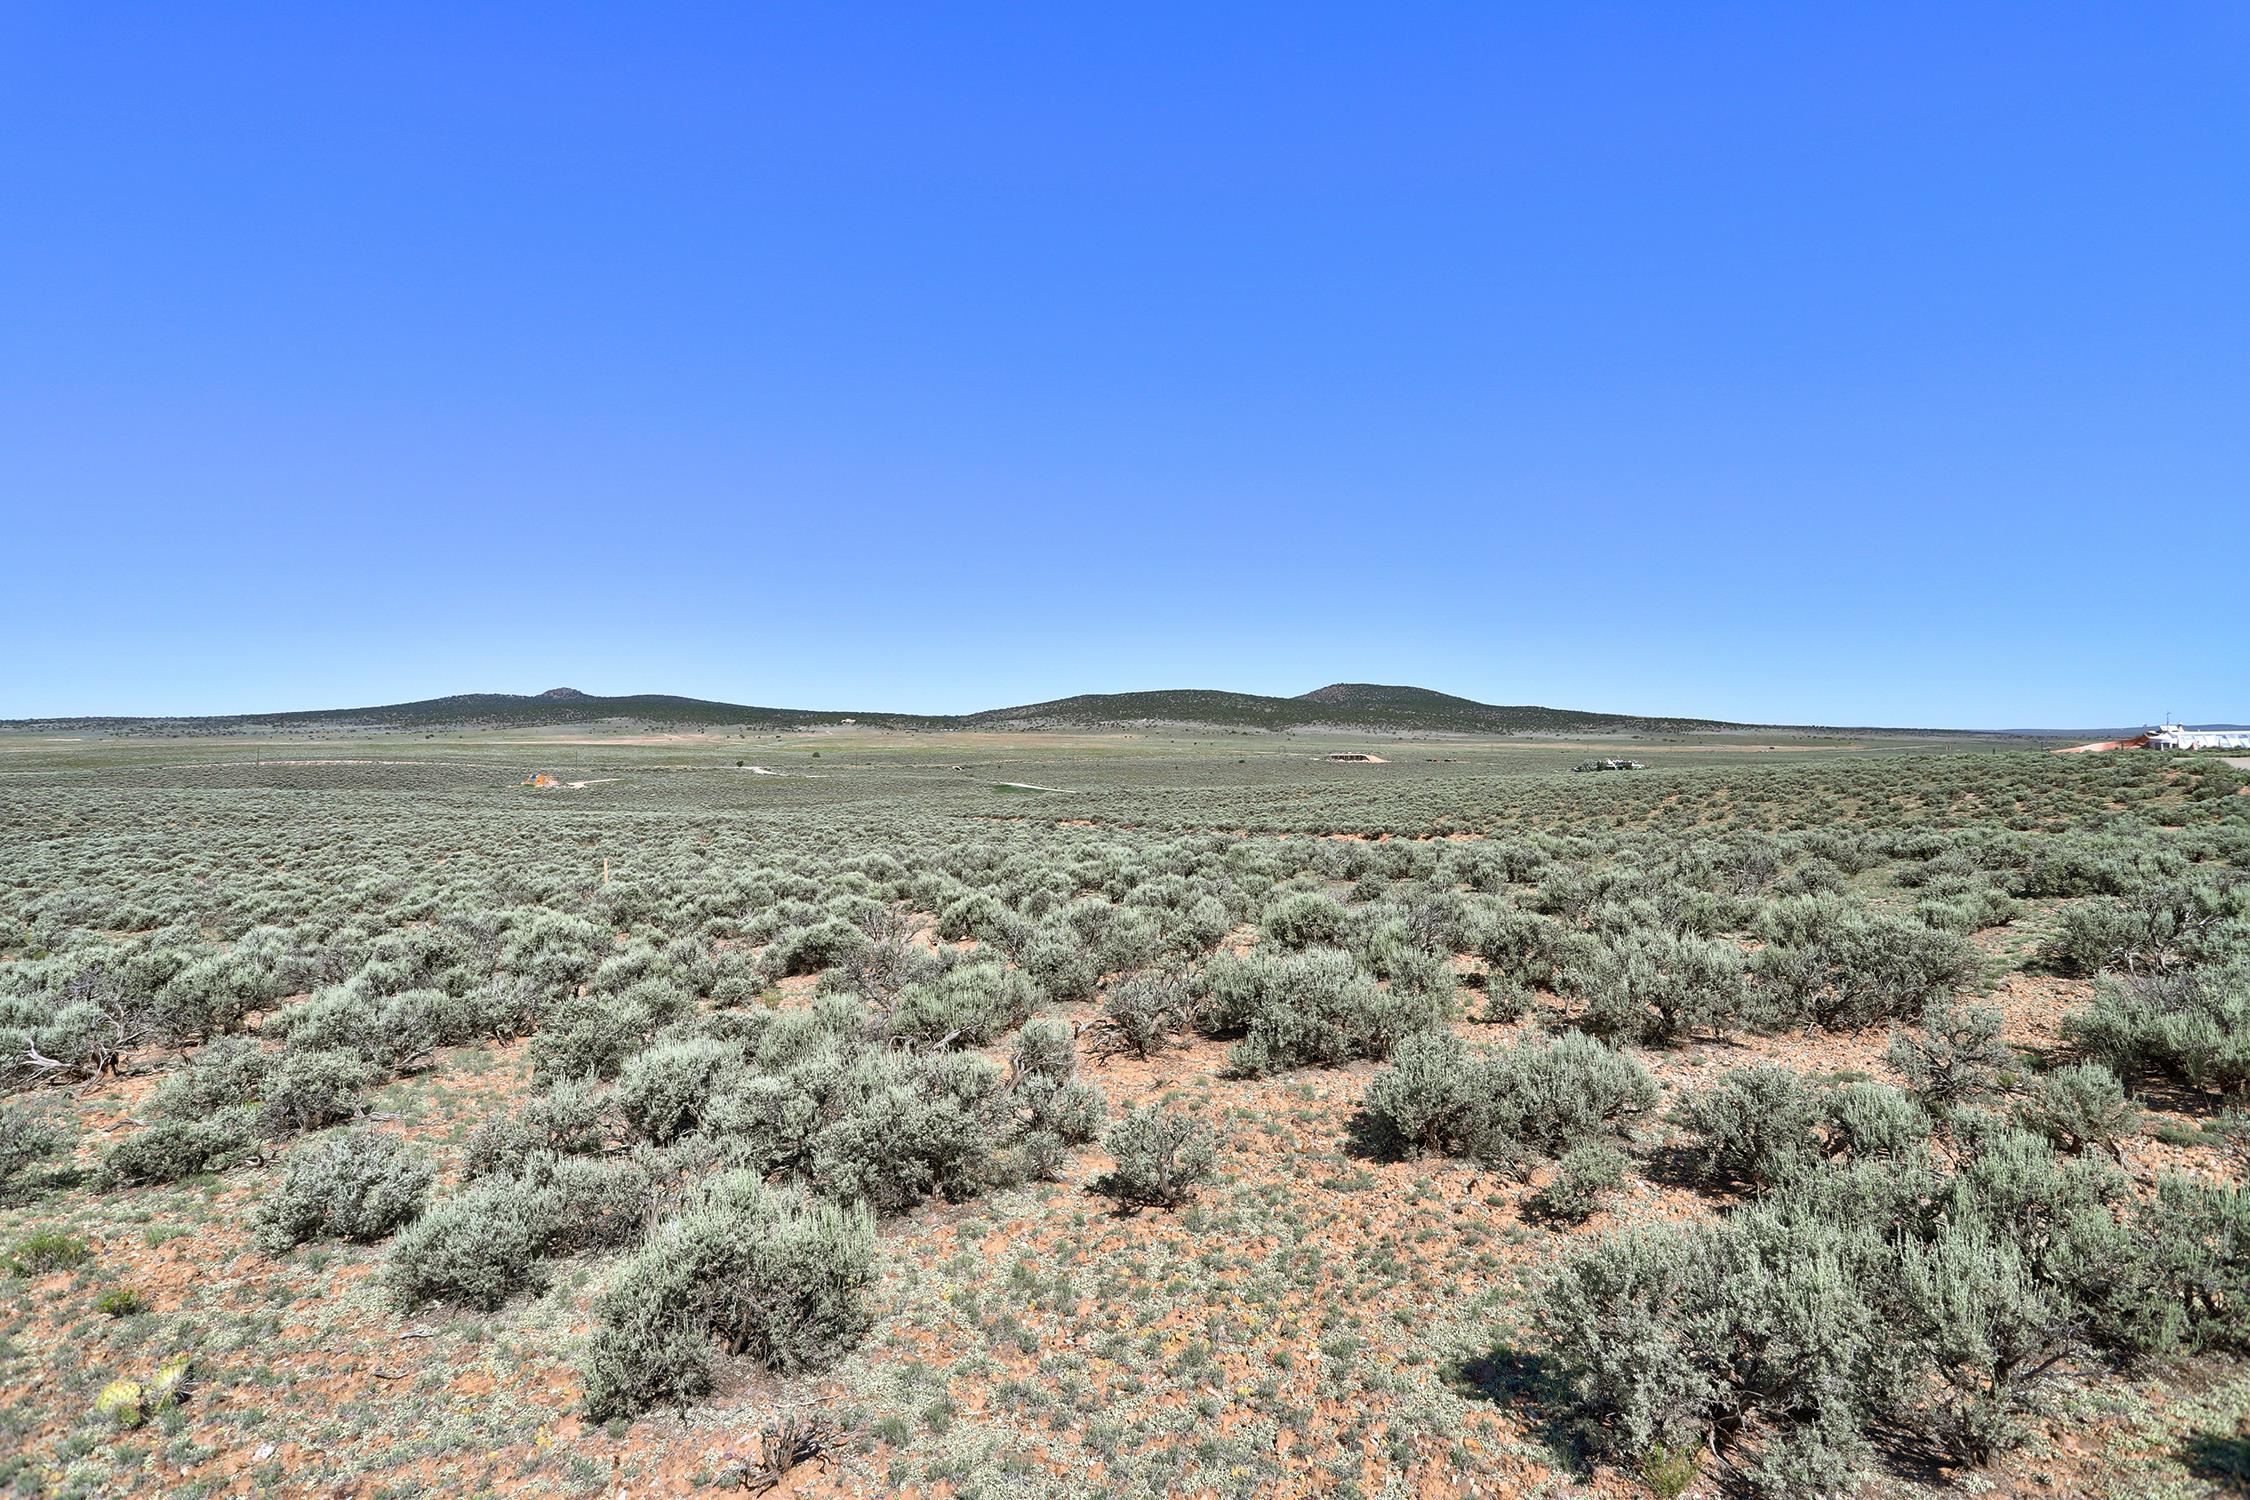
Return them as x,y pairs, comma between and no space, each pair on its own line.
2173,737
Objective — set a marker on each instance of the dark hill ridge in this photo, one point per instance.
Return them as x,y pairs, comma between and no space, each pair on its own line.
1343,705
479,711
1353,706
1420,708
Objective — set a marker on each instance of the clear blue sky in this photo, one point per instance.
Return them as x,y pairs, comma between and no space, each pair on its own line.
1850,363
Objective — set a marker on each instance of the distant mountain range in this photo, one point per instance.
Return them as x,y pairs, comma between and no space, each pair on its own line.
1342,705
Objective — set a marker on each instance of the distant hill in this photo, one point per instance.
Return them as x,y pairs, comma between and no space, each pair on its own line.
1347,706
1419,708
1342,705
557,706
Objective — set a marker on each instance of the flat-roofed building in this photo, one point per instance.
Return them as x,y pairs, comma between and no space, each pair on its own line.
2176,737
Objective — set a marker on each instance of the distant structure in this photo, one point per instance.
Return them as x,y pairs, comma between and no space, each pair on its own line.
2174,737
1609,765
2171,737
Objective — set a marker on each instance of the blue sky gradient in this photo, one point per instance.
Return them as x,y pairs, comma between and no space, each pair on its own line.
1841,363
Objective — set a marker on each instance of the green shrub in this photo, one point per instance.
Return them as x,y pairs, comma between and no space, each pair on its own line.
1146,1011
1669,1471
1755,1127
359,1185
1314,1008
168,1150
750,1270
1655,987
1957,1060
221,1074
1831,965
1161,1158
2192,1025
46,1250
971,1003
478,1247
665,1092
306,1090
2079,1106
1584,1176
25,1137
120,1302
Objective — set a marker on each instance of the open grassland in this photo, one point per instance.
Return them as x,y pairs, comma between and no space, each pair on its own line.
1120,1114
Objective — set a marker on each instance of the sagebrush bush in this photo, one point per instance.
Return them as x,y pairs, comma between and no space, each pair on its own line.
1656,987
221,1074
168,1150
749,1270
306,1090
1756,1127
1311,1008
1161,1158
1428,1099
971,1004
2153,930
571,1118
1832,965
1543,1098
1752,1338
1514,1109
1306,919
357,1185
910,1127
385,1032
1986,1329
2192,1025
477,1247
808,950
666,1091
1957,1060
1059,962
2077,1107
1583,1177
1147,1011
590,1036
26,1137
